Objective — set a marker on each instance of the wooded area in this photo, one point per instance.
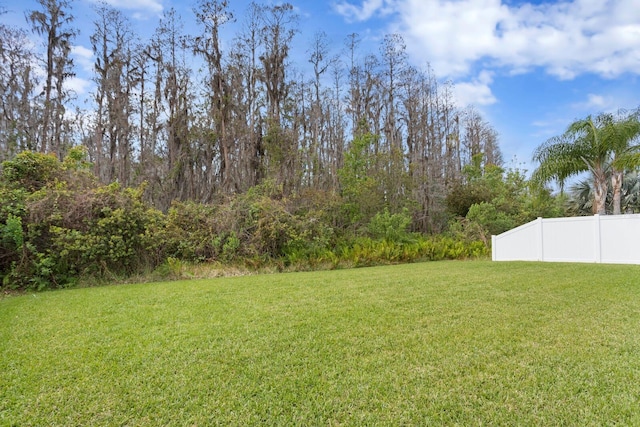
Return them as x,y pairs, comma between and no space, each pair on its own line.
251,114
311,155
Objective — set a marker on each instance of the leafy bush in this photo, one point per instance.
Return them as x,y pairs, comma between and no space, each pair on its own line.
391,227
30,170
490,218
114,237
191,231
91,232
273,226
56,224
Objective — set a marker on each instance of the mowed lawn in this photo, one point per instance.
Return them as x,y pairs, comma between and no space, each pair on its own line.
453,343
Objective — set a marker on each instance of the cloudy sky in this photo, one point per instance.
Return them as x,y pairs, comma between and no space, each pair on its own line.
530,67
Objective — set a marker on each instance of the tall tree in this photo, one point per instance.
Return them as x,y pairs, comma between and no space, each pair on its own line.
279,28
317,117
52,22
337,124
394,56
247,95
354,97
112,46
480,138
212,15
18,114
623,133
171,110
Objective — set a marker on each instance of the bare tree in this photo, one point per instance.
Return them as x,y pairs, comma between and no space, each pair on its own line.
112,46
248,98
480,138
52,22
337,125
318,114
172,103
279,28
211,15
394,56
18,116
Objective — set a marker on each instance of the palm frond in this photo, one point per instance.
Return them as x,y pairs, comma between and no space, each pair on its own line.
559,158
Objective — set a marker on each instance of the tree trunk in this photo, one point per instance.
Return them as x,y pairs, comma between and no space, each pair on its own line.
616,184
600,193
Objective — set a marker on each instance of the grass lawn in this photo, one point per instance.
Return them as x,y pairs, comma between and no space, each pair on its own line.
455,343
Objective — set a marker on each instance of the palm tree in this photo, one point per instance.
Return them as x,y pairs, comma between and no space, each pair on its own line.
601,146
580,200
631,192
580,148
622,135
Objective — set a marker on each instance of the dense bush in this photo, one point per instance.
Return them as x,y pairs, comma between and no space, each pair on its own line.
31,171
490,218
197,232
58,224
391,227
107,229
489,200
259,227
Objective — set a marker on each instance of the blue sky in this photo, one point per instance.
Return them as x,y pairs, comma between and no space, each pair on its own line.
530,67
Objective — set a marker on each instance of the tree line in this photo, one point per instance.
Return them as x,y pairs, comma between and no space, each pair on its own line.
248,115
197,148
60,227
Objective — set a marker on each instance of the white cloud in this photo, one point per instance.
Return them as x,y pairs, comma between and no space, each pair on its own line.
144,8
609,103
450,35
597,101
77,85
566,39
83,57
477,91
545,129
556,121
368,9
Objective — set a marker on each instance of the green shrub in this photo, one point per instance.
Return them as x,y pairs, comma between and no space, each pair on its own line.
274,227
191,232
391,227
12,246
492,220
105,230
30,170
57,224
198,232
231,247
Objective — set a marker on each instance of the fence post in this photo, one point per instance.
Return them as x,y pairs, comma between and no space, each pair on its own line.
598,254
540,239
493,247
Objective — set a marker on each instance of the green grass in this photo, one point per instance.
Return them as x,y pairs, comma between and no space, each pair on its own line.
455,343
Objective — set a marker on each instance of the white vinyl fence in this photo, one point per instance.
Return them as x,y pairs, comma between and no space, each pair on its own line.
611,239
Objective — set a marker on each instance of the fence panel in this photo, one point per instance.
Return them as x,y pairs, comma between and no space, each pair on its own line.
511,247
608,239
620,239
